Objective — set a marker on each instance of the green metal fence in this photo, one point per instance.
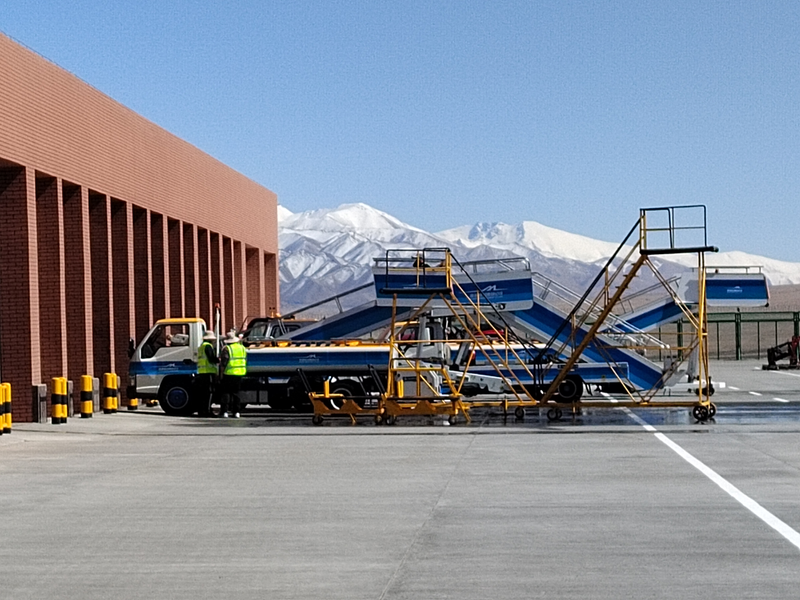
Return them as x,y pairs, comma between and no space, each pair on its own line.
740,335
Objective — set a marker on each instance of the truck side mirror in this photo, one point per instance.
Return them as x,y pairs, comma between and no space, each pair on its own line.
131,347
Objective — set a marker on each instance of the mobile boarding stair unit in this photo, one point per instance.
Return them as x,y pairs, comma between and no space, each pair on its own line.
658,232
504,285
424,298
408,286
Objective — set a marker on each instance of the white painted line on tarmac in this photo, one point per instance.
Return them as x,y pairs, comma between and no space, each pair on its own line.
785,373
735,389
754,507
607,395
754,393
780,400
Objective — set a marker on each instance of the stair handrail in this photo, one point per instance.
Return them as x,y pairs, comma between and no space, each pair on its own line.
618,327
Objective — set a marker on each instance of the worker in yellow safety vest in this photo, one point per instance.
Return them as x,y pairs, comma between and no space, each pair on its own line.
207,373
233,366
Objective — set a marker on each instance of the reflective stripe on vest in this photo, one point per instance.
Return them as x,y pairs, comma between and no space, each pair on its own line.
237,360
204,366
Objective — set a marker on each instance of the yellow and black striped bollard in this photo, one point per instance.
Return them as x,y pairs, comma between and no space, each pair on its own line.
109,393
59,401
87,397
133,403
7,421
2,409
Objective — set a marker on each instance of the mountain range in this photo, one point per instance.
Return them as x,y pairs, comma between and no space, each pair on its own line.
326,252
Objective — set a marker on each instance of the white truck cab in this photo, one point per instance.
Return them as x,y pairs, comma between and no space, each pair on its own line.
164,364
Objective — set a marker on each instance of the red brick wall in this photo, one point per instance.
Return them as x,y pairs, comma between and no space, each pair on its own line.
55,122
108,222
50,241
19,322
102,277
143,288
204,275
122,284
78,283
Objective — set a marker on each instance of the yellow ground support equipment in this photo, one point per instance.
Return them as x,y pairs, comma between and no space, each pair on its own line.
422,382
661,231
335,404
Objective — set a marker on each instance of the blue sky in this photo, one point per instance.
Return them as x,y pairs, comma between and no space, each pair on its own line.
572,114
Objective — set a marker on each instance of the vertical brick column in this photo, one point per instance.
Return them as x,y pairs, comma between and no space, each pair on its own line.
142,283
254,281
158,256
216,276
271,298
102,300
122,284
190,303
52,302
227,278
175,267
204,276
19,284
239,283
78,285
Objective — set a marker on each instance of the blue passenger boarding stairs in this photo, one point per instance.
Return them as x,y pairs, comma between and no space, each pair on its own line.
508,288
726,286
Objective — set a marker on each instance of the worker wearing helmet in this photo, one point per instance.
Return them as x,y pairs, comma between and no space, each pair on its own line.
233,366
207,373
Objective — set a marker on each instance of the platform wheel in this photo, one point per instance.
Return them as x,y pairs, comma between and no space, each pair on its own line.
700,412
378,419
519,413
712,410
452,419
390,419
554,414
317,419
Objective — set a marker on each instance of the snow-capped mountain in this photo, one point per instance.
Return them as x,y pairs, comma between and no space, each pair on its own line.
329,251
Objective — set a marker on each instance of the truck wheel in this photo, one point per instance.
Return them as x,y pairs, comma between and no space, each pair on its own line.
175,397
348,389
571,389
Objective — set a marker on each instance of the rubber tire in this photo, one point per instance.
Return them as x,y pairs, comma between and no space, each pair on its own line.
452,419
175,397
317,420
700,412
390,419
346,388
712,410
519,413
571,389
554,414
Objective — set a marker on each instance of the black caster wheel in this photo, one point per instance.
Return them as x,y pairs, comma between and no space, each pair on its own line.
712,410
700,412
378,419
390,420
554,414
519,413
452,419
317,419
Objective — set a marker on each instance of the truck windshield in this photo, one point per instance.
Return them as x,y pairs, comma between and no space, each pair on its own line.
165,336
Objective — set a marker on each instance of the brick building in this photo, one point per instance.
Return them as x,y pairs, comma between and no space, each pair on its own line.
108,222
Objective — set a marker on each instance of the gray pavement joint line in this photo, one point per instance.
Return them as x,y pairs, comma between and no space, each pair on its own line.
424,524
754,507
